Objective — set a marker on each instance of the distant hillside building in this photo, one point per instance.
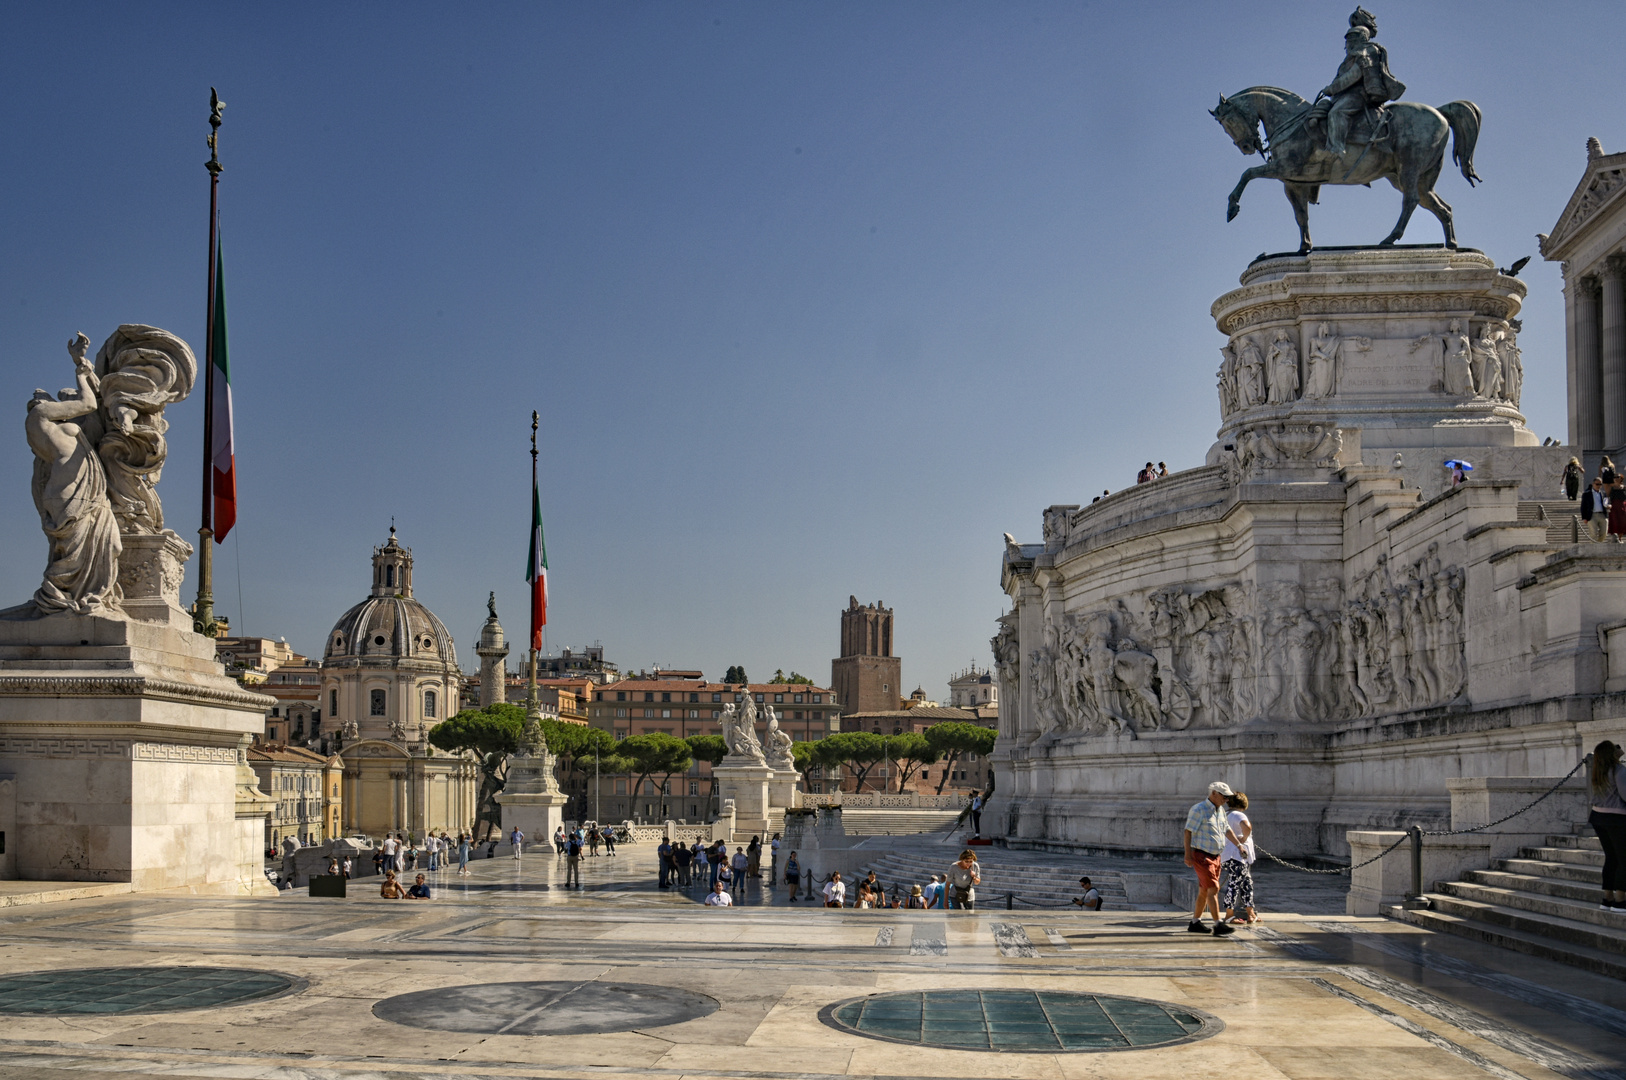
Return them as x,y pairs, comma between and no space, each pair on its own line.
974,688
866,677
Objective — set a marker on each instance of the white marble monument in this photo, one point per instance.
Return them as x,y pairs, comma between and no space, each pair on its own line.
1316,615
123,736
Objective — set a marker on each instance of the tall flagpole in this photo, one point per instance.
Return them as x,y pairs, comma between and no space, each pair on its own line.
203,612
532,705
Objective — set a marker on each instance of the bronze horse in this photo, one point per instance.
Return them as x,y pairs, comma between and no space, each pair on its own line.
1408,152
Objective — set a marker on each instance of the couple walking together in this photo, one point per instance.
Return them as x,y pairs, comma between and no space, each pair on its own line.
1219,839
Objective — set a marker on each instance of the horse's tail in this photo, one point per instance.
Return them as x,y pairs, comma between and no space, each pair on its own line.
1464,119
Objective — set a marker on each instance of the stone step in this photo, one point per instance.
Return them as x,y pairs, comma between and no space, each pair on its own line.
1538,884
1592,875
1531,944
1562,921
1573,856
1581,841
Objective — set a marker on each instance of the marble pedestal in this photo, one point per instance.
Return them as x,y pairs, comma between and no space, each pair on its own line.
782,786
126,743
531,798
747,784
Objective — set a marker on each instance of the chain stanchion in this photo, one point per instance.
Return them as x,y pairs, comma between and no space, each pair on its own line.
1415,835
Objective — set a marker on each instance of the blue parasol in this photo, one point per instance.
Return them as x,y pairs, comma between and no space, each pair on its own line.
1465,466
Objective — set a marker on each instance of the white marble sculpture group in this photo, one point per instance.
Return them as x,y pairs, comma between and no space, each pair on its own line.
740,734
99,450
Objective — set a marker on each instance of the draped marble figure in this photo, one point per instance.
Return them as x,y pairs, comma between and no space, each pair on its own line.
740,731
98,450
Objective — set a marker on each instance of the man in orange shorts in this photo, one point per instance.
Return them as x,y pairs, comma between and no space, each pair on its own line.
1205,839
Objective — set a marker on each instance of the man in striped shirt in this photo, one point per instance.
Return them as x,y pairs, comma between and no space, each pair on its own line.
1205,839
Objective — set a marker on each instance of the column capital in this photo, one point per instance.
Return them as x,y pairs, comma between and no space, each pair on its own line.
1614,266
1589,286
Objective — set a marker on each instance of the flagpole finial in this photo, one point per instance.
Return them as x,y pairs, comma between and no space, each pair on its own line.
215,105
533,434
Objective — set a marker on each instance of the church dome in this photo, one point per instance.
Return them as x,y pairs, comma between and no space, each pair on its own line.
390,624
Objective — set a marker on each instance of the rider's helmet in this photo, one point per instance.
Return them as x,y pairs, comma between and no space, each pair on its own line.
1363,17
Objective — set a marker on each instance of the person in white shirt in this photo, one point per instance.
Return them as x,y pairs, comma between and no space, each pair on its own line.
389,853
516,838
719,897
835,893
1091,899
1236,859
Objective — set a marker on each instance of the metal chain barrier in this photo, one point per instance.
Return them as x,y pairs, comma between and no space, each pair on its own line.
1434,832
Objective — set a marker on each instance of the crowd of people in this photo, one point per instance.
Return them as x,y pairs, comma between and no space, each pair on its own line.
1603,501
436,852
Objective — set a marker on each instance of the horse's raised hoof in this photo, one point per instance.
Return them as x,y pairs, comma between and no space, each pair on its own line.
1232,209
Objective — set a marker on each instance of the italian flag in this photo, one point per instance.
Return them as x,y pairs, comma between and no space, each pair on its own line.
221,453
536,569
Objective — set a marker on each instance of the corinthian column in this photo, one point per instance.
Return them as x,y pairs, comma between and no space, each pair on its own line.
1588,365
1614,355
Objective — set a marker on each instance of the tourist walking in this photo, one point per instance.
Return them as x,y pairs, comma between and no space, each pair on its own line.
559,841
934,892
390,847
346,866
963,878
753,857
719,897
378,860
714,860
516,838
1608,820
1606,472
1091,900
1237,861
463,853
1570,482
1204,842
740,864
433,844
976,813
1595,510
725,876
609,841
592,841
682,858
573,862
1617,509
917,898
793,876
664,855
773,856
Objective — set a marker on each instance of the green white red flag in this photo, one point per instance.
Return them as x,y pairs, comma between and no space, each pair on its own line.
536,569
222,454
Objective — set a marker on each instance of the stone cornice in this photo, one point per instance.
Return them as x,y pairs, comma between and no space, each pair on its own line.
129,686
1600,189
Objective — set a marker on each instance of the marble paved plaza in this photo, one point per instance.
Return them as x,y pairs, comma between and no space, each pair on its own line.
651,983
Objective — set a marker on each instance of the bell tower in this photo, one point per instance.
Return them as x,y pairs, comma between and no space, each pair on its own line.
866,675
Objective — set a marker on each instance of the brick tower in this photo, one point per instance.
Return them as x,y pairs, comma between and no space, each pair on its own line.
866,675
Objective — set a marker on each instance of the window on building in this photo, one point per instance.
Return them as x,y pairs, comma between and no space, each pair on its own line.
275,711
620,733
694,697
759,699
779,699
666,714
620,695
796,699
620,787
333,703
666,697
694,789
620,712
694,714
714,714
389,575
717,697
377,708
429,704
649,696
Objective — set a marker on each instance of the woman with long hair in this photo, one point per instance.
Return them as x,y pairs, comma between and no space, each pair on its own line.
1608,820
1236,860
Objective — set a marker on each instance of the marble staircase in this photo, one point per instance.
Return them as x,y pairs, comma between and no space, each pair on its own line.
1563,519
896,821
1544,902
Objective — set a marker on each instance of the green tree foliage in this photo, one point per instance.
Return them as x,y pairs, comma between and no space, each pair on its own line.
735,675
954,738
577,747
856,752
654,753
490,735
910,751
794,678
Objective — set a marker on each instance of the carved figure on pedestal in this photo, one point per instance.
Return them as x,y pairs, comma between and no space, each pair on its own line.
1487,362
1458,373
1250,374
740,730
1226,377
70,493
779,752
1512,366
1283,362
1321,362
142,369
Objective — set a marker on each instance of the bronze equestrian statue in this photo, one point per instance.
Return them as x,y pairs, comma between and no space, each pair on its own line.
1350,135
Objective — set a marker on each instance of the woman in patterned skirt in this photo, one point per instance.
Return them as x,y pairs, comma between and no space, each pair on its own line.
1235,861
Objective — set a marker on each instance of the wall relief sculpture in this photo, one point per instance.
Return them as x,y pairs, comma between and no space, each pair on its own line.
1217,657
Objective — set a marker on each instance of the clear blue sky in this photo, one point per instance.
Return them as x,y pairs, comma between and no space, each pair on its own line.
814,299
